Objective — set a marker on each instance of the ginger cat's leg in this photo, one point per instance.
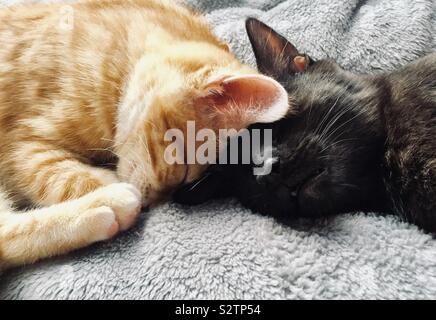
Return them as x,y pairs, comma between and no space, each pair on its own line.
101,206
48,175
29,236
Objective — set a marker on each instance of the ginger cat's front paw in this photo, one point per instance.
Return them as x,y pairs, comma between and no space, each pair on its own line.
98,224
123,199
61,228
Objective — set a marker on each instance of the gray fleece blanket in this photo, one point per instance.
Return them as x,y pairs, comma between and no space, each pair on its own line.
220,250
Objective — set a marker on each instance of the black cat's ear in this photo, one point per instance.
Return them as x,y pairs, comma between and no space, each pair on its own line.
275,56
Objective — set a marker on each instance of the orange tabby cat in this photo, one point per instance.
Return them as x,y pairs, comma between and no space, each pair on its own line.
100,82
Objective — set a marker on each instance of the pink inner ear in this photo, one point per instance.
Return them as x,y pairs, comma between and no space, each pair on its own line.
259,98
238,101
247,90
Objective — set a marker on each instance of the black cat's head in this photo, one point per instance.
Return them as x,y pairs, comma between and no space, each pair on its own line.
326,154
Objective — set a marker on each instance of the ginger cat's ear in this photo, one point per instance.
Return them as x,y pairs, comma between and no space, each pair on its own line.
239,101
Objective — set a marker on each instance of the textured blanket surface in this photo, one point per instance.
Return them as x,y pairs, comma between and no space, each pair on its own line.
220,250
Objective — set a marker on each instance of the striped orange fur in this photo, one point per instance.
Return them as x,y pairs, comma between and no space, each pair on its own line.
100,86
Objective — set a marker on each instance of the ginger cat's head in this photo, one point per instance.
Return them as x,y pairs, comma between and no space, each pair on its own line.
187,81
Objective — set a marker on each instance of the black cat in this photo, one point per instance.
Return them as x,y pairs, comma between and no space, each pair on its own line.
350,143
